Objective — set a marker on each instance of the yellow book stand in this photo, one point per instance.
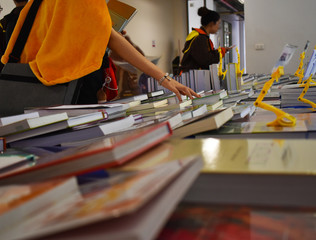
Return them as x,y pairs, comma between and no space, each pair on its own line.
306,84
239,72
283,119
221,74
309,82
300,70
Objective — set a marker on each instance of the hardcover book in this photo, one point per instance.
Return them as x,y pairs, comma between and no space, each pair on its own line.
207,98
266,172
15,118
80,109
104,153
202,80
70,135
3,145
14,158
165,108
206,122
143,106
53,127
31,123
156,93
19,203
135,205
217,84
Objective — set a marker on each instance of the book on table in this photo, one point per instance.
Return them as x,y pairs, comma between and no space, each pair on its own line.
15,118
127,204
216,83
149,105
215,106
129,102
41,129
104,153
120,13
138,97
81,109
236,97
256,127
202,80
207,98
289,95
194,111
233,80
164,108
31,123
171,98
266,172
20,203
3,145
156,93
273,95
222,93
243,110
174,117
77,133
206,122
14,158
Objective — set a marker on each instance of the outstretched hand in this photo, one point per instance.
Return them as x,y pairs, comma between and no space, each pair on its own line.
229,48
179,89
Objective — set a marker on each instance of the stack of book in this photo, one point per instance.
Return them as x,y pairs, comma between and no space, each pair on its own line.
243,112
237,96
85,175
81,154
289,96
198,80
137,197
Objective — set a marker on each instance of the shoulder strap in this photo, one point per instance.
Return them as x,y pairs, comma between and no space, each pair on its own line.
24,33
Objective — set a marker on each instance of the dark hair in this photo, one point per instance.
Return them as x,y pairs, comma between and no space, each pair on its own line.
208,16
21,0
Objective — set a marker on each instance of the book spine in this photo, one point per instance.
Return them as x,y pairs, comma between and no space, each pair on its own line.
2,145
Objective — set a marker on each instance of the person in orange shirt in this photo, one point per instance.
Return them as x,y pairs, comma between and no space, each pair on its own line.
68,41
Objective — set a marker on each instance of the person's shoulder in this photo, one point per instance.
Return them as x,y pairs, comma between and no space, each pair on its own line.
3,21
17,10
202,37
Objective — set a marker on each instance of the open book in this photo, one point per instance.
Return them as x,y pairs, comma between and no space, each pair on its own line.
121,13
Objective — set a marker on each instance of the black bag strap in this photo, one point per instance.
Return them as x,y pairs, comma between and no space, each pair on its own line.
24,33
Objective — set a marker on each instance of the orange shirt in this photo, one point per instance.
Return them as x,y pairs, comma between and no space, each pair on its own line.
67,41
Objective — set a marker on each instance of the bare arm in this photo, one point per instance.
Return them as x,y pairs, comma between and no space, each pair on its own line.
124,49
